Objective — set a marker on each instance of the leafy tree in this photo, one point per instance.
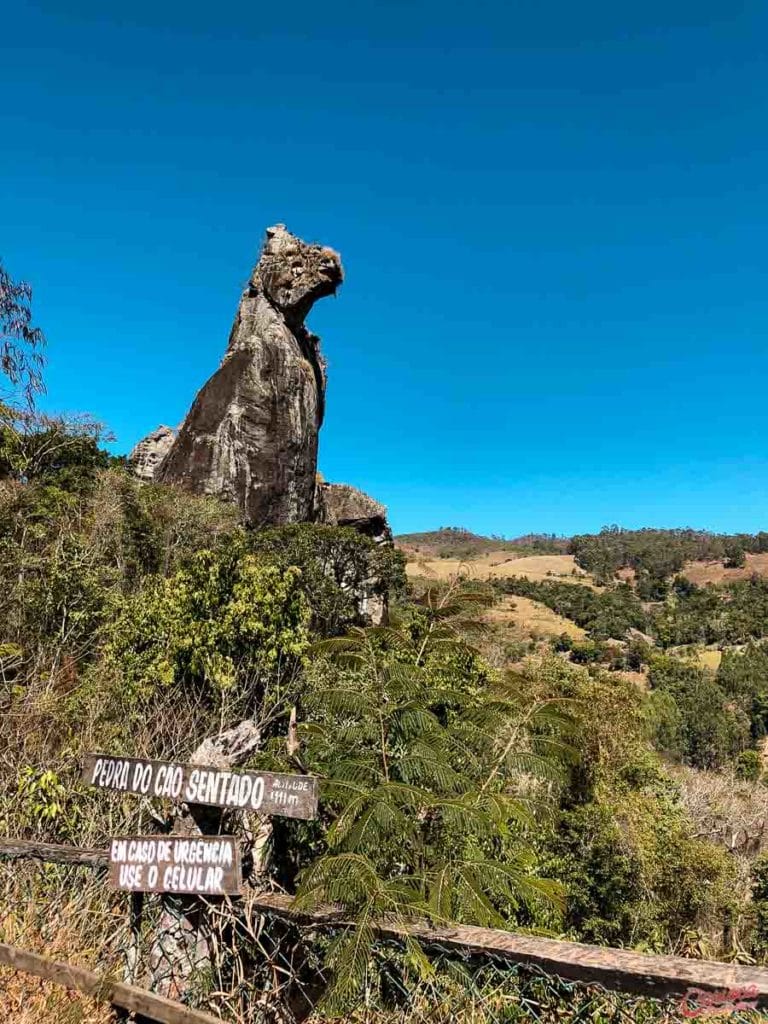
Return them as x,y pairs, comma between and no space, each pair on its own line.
21,343
431,784
606,614
749,765
735,556
656,555
651,587
665,724
712,729
337,565
622,844
743,675
60,452
730,613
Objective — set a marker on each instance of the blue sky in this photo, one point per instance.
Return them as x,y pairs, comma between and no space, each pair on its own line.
552,217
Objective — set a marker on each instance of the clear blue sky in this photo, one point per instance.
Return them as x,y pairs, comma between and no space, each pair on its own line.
552,216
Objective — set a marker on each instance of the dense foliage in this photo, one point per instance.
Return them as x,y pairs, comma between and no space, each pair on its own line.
622,844
337,564
225,623
734,612
695,717
729,613
436,777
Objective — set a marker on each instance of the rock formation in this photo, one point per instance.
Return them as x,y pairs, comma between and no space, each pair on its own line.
251,433
149,452
342,505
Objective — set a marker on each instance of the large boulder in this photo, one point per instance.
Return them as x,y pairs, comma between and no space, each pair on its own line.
342,505
251,433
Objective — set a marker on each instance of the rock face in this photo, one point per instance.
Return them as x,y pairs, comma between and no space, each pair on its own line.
251,433
342,505
149,453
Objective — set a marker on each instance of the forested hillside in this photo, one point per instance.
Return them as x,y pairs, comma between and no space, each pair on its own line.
692,659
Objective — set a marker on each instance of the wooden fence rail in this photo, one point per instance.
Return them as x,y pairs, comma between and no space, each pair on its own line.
621,970
107,990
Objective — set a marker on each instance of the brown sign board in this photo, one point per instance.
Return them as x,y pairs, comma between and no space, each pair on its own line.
290,796
203,865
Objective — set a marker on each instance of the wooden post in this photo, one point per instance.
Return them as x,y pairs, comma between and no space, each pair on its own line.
182,948
133,953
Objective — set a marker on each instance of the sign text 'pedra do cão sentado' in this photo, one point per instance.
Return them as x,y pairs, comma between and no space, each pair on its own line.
291,796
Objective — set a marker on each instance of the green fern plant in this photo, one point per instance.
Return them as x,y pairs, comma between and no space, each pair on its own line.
436,774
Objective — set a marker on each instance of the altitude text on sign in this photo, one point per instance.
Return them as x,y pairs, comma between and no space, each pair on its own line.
203,865
291,796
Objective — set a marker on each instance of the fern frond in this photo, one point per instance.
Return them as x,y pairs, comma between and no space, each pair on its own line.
417,960
345,700
440,892
415,721
349,879
403,795
422,766
470,902
357,771
377,825
530,763
512,882
348,960
338,790
346,820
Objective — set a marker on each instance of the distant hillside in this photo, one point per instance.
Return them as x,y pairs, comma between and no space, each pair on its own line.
678,586
457,542
496,564
650,558
647,558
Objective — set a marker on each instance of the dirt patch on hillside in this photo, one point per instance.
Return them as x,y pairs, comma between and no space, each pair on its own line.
638,679
715,572
710,659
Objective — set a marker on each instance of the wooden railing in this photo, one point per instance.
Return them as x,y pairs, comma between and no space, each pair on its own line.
620,970
127,997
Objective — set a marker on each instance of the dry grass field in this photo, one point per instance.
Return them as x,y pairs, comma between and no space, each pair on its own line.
640,679
710,659
523,618
500,565
715,572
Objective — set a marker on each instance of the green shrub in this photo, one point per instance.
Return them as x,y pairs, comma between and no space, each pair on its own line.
337,565
749,765
226,620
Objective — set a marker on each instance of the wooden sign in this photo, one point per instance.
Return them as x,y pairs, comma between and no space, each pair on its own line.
290,796
203,865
